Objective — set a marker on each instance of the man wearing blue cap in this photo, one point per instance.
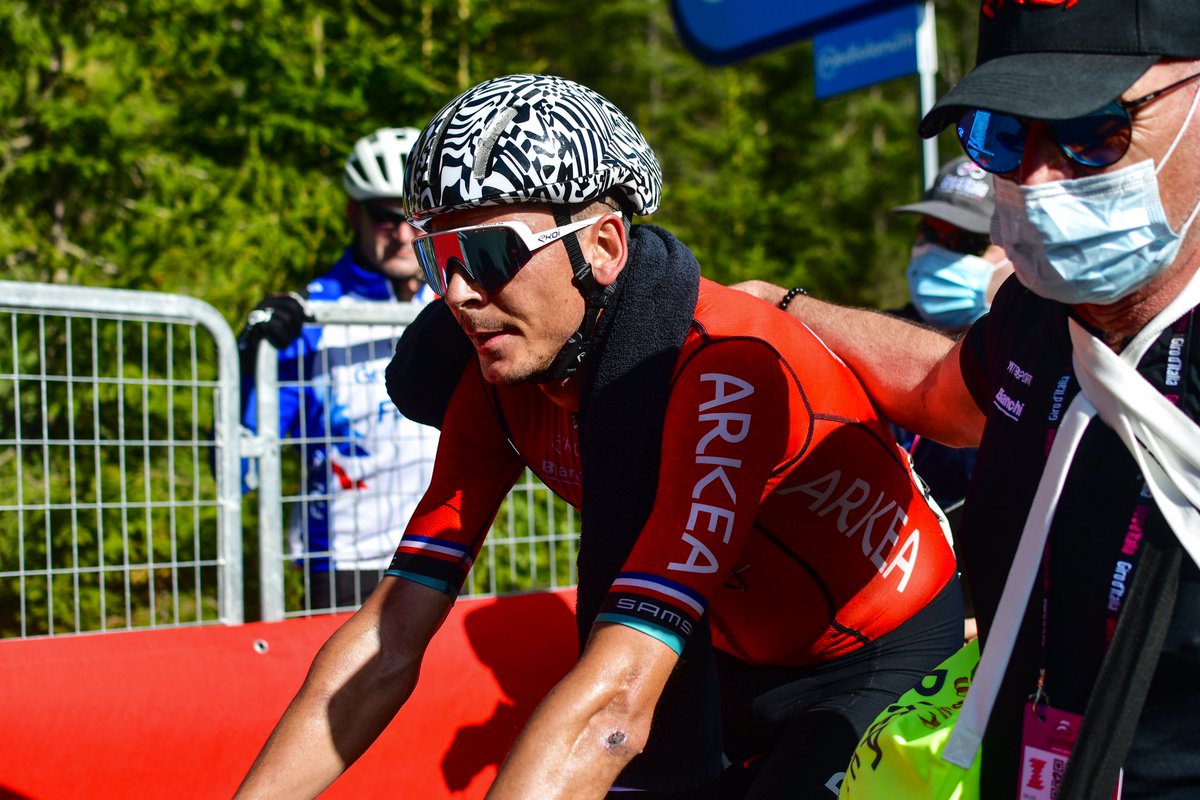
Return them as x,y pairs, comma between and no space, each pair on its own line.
1085,112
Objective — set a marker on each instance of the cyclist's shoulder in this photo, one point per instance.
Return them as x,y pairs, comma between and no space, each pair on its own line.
725,313
735,327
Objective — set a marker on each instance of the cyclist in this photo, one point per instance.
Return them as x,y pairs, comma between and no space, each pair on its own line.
759,574
365,464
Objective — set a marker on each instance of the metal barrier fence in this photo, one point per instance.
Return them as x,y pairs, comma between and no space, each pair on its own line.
117,427
121,453
333,406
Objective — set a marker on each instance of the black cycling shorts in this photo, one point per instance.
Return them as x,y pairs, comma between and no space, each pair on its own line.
790,731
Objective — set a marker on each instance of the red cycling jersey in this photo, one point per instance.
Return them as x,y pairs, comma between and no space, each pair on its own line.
784,508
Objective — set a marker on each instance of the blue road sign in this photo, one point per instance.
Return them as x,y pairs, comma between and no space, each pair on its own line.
870,51
725,31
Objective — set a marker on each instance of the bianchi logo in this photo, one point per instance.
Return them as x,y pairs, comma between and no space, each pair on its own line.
1008,406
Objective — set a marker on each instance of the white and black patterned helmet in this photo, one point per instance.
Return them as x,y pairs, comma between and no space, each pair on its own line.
375,170
529,138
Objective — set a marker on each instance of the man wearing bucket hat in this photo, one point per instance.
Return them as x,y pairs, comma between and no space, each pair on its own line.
954,270
1086,113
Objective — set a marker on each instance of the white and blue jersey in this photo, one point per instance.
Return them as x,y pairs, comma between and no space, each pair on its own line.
364,465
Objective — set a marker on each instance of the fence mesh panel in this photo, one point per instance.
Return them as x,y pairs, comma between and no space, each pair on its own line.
109,509
120,489
335,403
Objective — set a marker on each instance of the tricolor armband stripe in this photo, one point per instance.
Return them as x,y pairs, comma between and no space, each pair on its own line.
436,548
439,564
666,610
655,584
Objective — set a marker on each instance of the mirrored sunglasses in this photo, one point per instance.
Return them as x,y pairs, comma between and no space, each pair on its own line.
489,254
952,238
996,141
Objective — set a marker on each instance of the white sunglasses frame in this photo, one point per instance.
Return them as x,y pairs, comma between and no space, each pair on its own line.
532,241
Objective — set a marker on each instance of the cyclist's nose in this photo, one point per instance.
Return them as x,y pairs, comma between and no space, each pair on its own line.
460,288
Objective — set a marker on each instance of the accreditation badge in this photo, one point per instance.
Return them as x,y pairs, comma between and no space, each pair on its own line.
1048,736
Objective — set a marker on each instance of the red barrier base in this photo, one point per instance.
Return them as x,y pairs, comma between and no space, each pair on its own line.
182,713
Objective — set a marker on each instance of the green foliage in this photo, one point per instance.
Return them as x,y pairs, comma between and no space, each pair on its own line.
532,544
195,146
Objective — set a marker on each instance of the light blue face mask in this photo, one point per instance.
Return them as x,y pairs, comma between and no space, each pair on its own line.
1089,240
949,289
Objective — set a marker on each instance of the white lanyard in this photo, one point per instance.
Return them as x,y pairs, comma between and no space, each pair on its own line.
1166,446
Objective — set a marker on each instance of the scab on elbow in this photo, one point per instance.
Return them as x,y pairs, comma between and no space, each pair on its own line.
620,744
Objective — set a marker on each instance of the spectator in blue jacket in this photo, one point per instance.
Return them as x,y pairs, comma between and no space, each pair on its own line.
364,464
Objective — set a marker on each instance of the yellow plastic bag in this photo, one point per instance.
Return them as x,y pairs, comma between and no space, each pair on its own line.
900,755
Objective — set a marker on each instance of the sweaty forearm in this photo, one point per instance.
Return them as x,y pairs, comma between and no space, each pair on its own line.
573,748
358,681
592,723
346,701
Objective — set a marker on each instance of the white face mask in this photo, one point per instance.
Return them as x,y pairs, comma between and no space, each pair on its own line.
949,289
1089,240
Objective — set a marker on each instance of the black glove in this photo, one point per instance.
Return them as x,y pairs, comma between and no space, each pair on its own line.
278,318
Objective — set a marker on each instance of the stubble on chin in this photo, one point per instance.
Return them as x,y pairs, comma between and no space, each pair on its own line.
501,374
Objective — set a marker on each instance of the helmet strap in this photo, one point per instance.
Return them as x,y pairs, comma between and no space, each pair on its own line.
595,296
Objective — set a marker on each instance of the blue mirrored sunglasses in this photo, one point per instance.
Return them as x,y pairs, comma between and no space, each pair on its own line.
996,141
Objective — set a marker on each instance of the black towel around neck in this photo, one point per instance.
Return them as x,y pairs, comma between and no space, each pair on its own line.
621,421
429,359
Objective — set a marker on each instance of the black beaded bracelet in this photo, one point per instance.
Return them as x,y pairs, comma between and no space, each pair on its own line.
790,296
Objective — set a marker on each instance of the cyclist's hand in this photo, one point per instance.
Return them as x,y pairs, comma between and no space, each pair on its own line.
278,319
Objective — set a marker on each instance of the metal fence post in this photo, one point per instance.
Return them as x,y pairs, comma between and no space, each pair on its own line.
270,488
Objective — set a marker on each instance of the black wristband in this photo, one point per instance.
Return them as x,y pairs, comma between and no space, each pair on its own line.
790,296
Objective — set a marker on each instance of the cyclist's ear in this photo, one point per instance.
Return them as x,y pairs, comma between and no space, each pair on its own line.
610,249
